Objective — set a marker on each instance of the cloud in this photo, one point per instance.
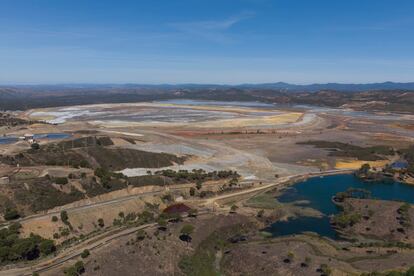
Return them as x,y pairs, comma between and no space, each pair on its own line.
211,29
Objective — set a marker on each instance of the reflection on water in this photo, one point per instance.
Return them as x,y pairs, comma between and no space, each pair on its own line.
319,191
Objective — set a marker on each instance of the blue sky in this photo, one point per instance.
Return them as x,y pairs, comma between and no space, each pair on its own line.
206,41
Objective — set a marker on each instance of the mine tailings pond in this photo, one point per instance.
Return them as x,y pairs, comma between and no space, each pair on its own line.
50,136
318,192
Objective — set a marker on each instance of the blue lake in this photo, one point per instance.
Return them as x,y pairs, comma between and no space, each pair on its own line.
8,140
319,191
51,136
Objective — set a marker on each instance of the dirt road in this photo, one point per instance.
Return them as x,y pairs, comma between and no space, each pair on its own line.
107,237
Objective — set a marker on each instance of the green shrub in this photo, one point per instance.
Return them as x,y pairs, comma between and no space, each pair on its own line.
11,214
77,269
85,254
64,217
61,180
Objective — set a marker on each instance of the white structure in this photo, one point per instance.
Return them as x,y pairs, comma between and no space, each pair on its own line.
29,137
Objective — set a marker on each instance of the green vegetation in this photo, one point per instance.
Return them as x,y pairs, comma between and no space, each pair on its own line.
13,248
41,195
347,150
77,269
85,254
344,220
352,193
119,159
291,256
35,146
187,229
61,180
11,214
101,222
409,157
162,223
55,219
233,208
141,234
325,269
404,218
263,201
197,175
64,217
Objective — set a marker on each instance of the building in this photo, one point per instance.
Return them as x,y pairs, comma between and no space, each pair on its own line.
28,136
399,165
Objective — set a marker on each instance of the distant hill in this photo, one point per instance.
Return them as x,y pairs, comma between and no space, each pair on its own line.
387,96
344,87
280,86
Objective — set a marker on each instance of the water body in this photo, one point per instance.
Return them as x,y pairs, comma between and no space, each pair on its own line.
8,140
319,191
51,136
216,103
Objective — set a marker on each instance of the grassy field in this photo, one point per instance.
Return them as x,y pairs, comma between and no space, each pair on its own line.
263,201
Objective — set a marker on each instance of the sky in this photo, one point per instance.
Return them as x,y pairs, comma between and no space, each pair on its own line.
206,41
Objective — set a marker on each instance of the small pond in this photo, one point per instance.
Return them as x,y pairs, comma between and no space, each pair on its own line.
51,136
8,140
319,191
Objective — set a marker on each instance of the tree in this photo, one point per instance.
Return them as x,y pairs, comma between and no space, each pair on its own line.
325,269
199,184
26,248
146,217
55,219
162,224
35,146
47,247
61,180
77,269
233,208
192,191
410,272
11,214
101,222
291,256
85,254
64,217
141,235
260,213
187,230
